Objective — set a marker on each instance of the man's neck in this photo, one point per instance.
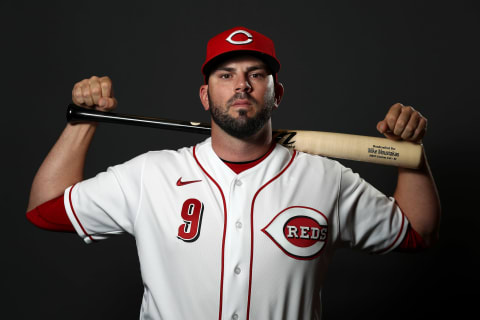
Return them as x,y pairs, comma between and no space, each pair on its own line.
234,149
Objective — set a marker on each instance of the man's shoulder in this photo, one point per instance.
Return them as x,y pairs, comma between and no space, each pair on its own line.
169,152
186,152
317,160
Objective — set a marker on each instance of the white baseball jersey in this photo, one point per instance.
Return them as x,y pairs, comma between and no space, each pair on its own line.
216,245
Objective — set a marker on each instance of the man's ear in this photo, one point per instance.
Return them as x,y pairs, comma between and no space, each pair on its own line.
279,90
204,96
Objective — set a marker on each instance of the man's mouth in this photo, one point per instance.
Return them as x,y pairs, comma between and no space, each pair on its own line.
241,103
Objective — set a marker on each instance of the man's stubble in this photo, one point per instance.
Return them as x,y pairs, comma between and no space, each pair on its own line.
242,126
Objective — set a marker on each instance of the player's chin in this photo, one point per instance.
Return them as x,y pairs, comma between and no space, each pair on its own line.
242,112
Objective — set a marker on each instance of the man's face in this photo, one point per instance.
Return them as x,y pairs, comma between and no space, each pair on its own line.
241,96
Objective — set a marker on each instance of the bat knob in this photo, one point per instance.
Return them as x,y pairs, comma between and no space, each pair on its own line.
70,112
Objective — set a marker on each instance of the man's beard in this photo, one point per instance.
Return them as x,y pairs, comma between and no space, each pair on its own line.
242,126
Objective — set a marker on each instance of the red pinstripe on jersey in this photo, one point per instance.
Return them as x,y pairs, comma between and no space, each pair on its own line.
224,230
75,215
251,229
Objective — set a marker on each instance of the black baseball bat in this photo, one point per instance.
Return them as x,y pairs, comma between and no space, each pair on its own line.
77,114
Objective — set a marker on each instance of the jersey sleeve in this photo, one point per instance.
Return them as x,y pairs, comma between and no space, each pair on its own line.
108,203
412,241
368,219
51,216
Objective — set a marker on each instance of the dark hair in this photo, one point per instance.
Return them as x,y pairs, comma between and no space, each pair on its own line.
215,62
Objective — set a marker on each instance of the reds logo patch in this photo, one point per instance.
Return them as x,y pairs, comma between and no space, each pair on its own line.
300,232
247,37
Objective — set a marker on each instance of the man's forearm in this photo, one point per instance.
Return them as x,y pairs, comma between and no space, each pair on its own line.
417,196
63,165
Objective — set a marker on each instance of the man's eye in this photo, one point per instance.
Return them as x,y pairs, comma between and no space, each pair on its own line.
225,76
257,75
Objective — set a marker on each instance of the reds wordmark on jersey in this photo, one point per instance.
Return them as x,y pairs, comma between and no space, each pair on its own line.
216,245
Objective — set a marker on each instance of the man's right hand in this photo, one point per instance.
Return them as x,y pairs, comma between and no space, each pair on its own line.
95,93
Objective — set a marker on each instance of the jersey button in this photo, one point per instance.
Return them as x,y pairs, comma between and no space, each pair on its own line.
237,270
235,316
238,224
238,183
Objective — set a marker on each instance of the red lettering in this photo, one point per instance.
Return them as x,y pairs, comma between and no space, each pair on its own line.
192,211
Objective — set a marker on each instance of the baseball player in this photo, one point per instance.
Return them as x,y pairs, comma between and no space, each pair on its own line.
237,226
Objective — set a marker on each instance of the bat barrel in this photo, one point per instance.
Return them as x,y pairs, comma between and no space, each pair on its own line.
355,147
77,114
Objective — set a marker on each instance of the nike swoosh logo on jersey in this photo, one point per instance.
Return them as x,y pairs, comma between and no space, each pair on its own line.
182,183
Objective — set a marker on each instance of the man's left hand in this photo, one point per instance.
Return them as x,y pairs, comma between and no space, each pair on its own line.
403,123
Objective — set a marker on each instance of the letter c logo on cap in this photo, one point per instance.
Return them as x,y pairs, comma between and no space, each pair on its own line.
246,33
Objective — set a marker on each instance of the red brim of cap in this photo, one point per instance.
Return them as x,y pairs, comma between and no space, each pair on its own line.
270,61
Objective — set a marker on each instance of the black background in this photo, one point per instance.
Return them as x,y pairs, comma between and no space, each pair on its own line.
343,64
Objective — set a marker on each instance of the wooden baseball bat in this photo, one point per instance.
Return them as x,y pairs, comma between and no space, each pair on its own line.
336,145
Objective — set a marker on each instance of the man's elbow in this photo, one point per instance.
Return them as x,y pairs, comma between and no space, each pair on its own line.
429,240
427,226
51,216
431,234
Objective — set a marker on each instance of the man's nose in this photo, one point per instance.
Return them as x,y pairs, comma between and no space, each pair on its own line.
243,85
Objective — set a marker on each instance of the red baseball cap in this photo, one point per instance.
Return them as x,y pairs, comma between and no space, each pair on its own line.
237,40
